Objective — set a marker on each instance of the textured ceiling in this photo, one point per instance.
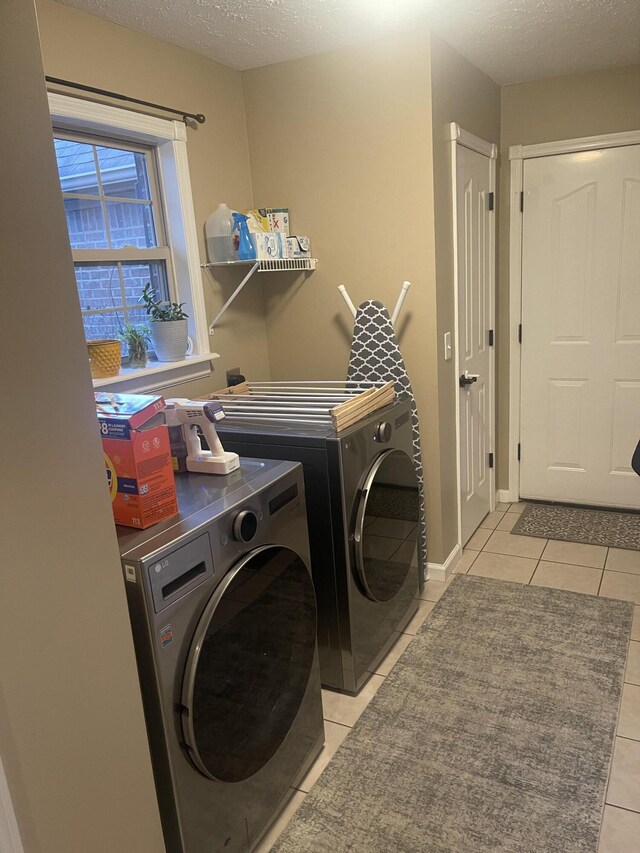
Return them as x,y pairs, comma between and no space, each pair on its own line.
511,40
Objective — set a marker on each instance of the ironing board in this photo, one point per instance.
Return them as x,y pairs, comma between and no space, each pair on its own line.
375,356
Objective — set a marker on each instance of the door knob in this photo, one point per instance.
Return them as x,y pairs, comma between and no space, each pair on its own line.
468,378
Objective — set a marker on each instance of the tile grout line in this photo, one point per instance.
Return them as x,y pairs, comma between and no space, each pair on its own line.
632,739
472,561
606,557
533,574
621,572
622,808
335,722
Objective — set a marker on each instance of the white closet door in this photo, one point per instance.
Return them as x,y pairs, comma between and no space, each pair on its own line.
580,400
475,320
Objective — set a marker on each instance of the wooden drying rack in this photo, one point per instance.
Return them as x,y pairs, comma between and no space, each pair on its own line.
333,403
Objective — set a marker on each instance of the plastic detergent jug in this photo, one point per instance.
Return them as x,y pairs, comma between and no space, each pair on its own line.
219,230
246,249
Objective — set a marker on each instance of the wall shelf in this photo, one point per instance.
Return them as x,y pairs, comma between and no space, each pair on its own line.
268,265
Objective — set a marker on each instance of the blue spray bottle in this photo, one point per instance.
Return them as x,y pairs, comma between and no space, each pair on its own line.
246,251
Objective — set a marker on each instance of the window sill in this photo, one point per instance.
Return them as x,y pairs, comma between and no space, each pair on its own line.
158,375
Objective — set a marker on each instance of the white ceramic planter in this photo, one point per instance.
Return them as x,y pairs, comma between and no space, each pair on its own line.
169,339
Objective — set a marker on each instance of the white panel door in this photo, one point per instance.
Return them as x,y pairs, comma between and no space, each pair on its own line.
475,223
580,398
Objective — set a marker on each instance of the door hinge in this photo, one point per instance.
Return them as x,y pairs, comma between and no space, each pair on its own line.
519,451
519,333
491,460
491,201
522,201
490,337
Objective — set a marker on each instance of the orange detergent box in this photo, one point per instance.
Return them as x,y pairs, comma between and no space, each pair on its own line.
137,455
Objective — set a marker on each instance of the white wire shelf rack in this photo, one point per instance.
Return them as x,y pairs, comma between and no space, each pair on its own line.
267,265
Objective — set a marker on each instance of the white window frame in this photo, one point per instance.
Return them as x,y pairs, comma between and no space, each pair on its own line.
169,138
109,256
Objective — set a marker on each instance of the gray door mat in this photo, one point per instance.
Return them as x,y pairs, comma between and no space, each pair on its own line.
578,524
493,732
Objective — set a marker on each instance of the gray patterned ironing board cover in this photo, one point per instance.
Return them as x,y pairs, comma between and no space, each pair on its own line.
375,356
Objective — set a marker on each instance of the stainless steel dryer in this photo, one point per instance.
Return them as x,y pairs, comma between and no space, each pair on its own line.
223,612
363,509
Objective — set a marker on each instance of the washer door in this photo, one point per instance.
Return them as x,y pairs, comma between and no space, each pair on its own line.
386,525
249,664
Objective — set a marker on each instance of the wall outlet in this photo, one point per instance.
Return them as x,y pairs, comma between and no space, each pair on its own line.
234,377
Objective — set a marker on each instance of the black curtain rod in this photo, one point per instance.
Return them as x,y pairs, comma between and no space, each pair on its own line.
196,116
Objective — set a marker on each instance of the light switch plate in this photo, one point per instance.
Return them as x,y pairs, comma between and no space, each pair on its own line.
447,346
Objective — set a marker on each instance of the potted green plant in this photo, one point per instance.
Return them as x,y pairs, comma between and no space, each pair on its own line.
168,326
137,340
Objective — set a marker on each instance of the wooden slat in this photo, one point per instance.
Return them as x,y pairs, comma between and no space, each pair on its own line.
365,408
358,416
364,404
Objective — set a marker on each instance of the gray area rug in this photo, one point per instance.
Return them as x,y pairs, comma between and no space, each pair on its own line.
575,524
494,732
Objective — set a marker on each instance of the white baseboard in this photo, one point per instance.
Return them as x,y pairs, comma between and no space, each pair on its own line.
506,496
443,571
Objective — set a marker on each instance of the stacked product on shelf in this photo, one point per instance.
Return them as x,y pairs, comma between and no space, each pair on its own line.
259,239
258,234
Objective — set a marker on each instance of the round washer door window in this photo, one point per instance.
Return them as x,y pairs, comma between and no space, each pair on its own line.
249,664
386,526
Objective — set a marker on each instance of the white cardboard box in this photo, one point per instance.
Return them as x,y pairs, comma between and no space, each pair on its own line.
270,246
298,247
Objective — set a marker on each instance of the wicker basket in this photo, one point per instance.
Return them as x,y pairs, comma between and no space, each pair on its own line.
104,358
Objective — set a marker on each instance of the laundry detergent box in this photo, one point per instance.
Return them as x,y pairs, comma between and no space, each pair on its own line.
269,219
137,455
270,246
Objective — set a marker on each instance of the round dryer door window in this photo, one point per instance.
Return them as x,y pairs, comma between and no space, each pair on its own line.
249,664
386,526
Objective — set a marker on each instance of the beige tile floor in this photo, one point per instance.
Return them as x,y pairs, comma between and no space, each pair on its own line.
494,552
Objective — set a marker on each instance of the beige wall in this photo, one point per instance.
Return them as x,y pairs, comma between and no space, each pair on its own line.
344,139
348,141
543,111
463,94
87,49
72,734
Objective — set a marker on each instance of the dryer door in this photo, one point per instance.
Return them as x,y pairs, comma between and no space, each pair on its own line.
249,664
386,525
